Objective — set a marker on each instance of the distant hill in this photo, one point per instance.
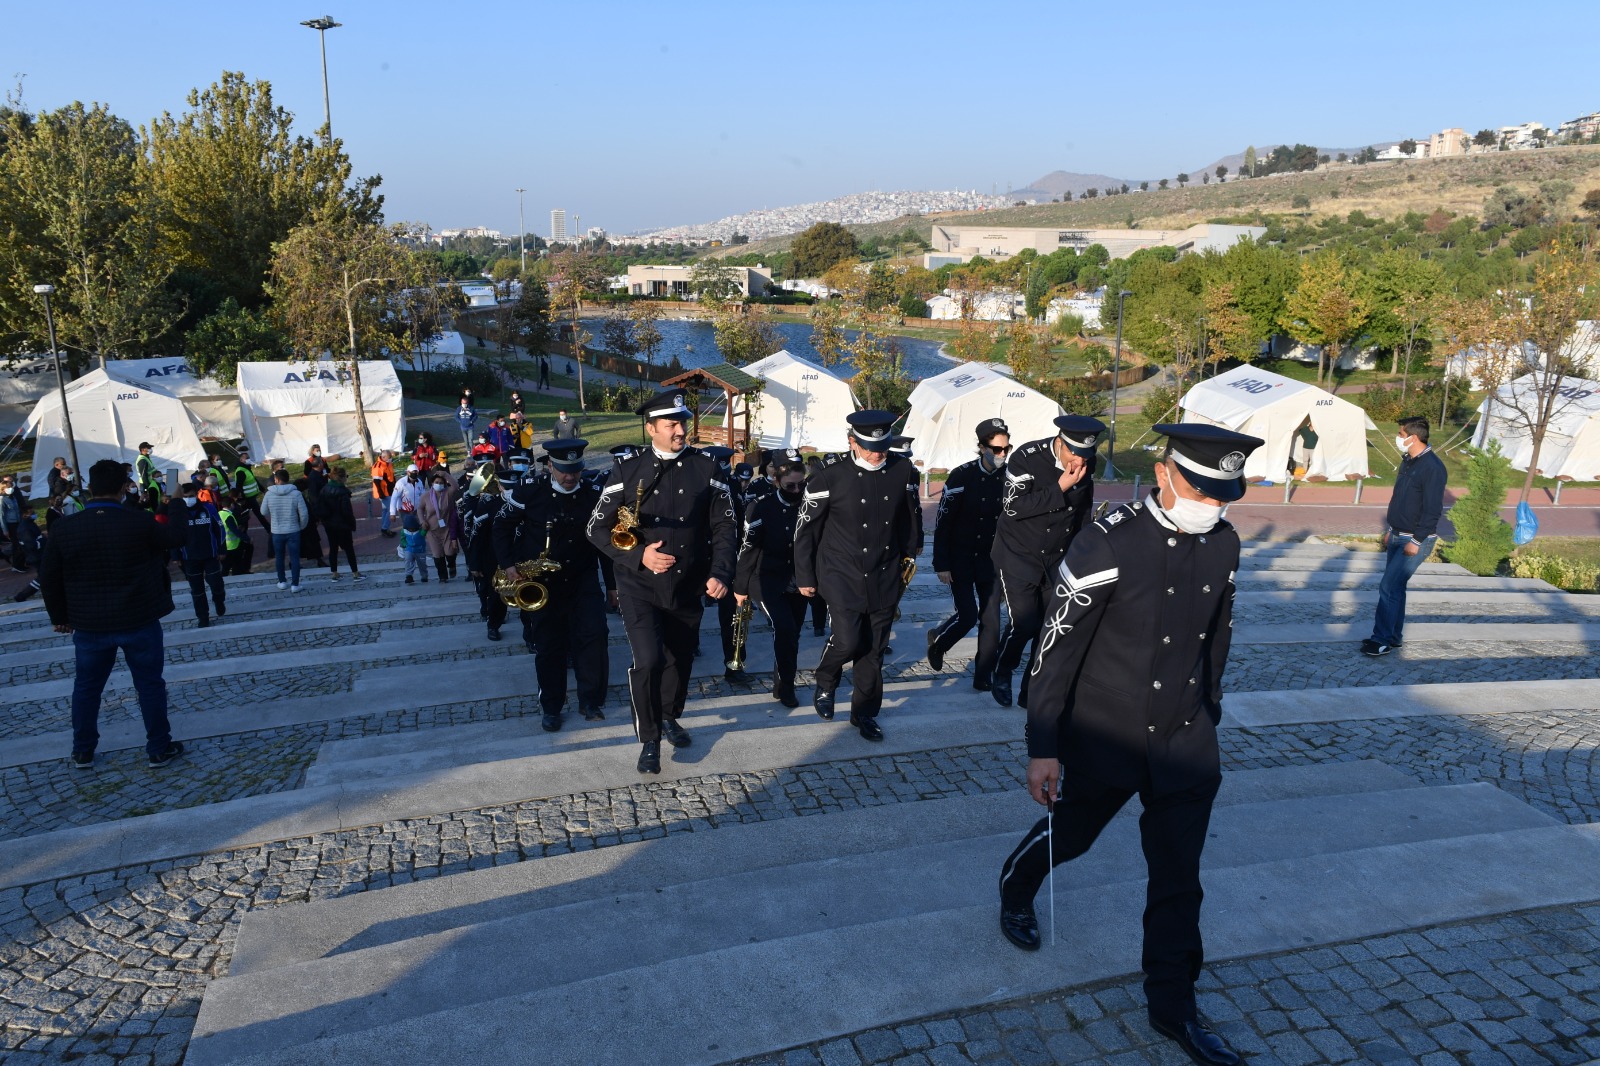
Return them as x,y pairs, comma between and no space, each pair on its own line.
1058,182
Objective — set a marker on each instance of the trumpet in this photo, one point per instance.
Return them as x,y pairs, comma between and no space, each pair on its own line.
623,537
527,593
741,633
908,570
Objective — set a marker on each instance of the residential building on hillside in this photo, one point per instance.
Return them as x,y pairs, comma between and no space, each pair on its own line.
957,244
1580,129
558,224
1393,152
675,281
1453,141
471,231
1523,137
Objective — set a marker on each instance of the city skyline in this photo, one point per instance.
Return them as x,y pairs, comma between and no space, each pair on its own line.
957,110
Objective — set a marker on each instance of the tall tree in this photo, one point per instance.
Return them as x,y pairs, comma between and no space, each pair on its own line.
1326,309
530,316
712,279
647,328
1230,333
77,212
570,275
1401,288
744,333
232,335
827,331
820,247
333,287
1250,161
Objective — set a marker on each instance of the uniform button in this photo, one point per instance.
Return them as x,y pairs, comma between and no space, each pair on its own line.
1152,729
1202,636
1202,540
1191,681
1155,684
1205,588
863,549
1172,542
1166,640
1171,592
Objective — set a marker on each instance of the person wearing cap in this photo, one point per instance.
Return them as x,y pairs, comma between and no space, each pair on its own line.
148,477
766,570
407,496
859,521
550,516
479,508
723,457
684,549
1126,697
963,542
1049,492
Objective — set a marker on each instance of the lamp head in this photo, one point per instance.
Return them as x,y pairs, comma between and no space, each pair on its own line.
1125,293
324,23
44,290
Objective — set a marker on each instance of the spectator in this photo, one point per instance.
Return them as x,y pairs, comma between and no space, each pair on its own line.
1412,527
11,523
425,454
466,396
202,554
466,420
144,470
130,491
522,435
315,470
246,484
484,452
499,435
211,492
339,519
516,402
382,489
415,544
238,551
104,581
565,428
407,495
544,373
52,480
437,511
284,510
310,541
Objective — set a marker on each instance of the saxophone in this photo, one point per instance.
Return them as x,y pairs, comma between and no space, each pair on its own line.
528,593
623,537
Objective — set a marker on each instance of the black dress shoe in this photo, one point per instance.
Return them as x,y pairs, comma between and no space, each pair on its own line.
867,727
737,677
593,714
650,757
1022,695
1198,1040
784,691
1001,690
982,684
675,733
494,632
935,656
551,722
1020,926
823,702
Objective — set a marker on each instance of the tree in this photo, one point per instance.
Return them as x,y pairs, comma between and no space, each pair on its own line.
743,332
1205,179
232,335
712,279
1228,328
1183,179
1028,352
1342,157
425,310
333,286
646,328
1250,161
1124,189
820,247
1510,207
1486,138
1401,288
1483,539
77,212
571,274
1222,172
1327,308
1408,147
530,317
503,273
879,289
1162,183
1144,186
827,331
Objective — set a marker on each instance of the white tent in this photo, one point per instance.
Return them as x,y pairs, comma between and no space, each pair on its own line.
946,410
802,406
1273,407
110,419
288,407
444,350
1571,447
27,378
214,404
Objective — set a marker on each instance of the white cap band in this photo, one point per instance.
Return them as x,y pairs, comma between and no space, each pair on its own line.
1204,471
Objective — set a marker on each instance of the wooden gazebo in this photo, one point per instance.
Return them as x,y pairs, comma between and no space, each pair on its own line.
730,381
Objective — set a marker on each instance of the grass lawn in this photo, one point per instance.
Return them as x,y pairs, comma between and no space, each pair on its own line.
1577,549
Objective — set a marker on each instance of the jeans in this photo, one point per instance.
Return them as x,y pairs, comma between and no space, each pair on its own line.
287,546
1397,570
383,509
96,655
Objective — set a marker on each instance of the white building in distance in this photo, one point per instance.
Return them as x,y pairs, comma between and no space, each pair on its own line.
558,224
957,244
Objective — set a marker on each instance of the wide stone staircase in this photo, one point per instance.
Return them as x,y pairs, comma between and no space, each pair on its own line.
740,936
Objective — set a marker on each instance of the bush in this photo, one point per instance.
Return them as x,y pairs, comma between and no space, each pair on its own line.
1078,397
1483,538
913,306
622,398
1159,404
1570,574
484,378
1384,403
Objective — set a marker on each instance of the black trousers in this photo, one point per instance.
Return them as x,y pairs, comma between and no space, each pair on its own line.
787,613
1172,831
570,625
725,608
976,602
310,542
203,572
1024,595
662,640
344,539
489,601
858,638
240,559
819,614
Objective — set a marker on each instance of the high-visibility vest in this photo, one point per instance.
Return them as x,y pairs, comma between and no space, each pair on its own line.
146,467
251,486
230,530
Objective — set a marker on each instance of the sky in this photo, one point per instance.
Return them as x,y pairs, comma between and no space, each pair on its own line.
638,115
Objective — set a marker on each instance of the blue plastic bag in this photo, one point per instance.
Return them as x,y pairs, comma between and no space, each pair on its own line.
1527,524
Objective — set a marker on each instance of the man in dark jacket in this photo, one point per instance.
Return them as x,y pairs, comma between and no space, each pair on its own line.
202,553
963,543
339,520
104,579
1410,529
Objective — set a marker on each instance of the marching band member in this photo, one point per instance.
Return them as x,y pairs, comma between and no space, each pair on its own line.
766,570
479,506
963,539
726,606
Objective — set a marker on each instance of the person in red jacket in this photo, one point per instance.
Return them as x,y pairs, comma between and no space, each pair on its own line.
425,455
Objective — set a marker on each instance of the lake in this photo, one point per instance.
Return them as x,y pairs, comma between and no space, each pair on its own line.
695,344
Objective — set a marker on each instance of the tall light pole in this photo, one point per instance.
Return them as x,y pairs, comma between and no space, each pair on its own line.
322,26
44,291
522,231
1116,371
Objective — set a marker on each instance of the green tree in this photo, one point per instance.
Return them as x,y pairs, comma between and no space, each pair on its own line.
333,286
1144,186
1401,288
1028,351
912,306
1250,161
712,279
744,333
569,275
879,380
647,328
1483,539
827,331
530,317
820,247
1327,308
1162,183
1222,172
879,290
1486,138
1183,179
232,335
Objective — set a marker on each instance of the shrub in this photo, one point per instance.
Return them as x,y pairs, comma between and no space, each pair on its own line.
913,306
1159,404
1384,403
1078,397
1483,538
1097,357
1570,574
484,378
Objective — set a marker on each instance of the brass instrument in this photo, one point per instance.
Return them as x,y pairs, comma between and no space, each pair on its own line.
623,537
527,593
908,570
485,480
741,633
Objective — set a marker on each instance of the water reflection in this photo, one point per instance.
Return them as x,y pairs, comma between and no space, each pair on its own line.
695,344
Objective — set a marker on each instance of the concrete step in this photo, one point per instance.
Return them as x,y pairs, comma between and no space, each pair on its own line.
856,924
1254,580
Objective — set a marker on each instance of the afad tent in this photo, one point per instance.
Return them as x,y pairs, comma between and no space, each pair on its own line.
443,351
214,404
1571,447
946,410
110,419
802,405
288,407
1273,407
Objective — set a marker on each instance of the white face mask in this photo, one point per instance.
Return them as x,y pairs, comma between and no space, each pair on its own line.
1192,516
1402,443
191,501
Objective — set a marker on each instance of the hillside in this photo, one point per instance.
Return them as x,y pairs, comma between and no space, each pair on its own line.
1456,184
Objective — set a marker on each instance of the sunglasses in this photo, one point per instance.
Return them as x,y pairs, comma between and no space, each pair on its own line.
1001,450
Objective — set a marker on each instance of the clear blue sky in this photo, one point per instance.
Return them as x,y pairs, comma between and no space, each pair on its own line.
636,115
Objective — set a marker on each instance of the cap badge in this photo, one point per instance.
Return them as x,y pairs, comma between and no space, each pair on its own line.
1232,463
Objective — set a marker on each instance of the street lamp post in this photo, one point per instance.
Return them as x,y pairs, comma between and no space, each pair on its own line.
44,291
522,232
1116,371
322,26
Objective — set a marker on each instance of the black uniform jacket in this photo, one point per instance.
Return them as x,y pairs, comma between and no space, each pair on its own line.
1127,688
855,527
963,531
766,552
525,519
477,531
686,507
1037,519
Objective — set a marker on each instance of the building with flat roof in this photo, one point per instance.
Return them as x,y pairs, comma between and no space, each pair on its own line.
957,244
676,281
558,224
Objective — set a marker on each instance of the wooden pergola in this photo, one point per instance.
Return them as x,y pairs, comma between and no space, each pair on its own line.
730,381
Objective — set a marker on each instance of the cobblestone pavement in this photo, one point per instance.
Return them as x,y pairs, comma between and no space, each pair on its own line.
1523,988
1566,609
